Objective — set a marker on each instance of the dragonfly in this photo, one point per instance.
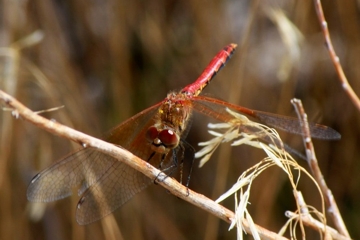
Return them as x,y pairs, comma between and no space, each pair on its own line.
155,135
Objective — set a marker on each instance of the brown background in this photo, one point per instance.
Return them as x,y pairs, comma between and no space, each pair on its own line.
107,60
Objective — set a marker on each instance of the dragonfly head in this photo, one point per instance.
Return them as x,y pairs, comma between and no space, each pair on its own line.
162,140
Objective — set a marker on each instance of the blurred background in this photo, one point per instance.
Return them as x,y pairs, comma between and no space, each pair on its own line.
107,60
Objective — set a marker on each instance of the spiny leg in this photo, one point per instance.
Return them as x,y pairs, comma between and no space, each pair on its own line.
168,170
151,156
163,156
181,165
186,145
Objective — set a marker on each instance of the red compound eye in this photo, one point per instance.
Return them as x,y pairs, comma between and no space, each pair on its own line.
169,138
151,134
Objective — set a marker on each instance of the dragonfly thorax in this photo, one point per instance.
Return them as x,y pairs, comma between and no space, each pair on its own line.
175,111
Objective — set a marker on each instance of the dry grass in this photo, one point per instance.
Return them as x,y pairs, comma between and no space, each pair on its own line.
106,61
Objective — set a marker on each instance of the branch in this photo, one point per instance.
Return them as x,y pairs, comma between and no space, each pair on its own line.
335,59
308,220
177,189
333,209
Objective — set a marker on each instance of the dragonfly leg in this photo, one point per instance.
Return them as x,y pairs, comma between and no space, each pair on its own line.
171,169
192,153
151,156
181,166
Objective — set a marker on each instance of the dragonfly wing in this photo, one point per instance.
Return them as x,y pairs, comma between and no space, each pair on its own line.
293,125
216,108
99,177
116,187
79,169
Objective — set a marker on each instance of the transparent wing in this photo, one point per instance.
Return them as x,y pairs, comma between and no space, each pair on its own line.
116,187
104,182
79,169
217,109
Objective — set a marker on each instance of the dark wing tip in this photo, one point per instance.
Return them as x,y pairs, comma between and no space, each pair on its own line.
32,189
323,132
84,215
41,190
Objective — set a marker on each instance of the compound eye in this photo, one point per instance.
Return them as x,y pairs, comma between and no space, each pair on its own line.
169,138
151,134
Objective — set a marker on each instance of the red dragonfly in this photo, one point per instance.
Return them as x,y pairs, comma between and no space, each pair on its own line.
154,134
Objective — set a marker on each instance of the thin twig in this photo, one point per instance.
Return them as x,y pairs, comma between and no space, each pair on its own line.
305,213
308,220
333,209
335,59
127,157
